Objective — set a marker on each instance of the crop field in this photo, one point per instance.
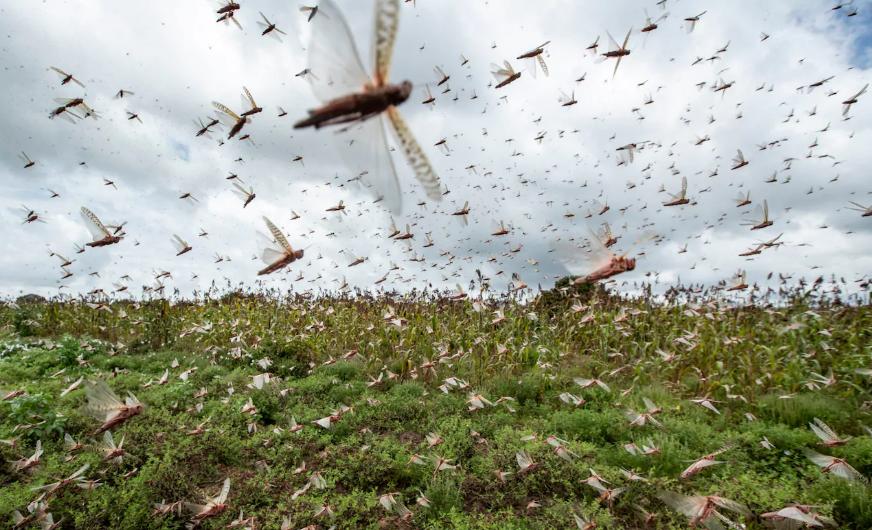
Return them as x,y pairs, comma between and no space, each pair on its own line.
436,265
424,412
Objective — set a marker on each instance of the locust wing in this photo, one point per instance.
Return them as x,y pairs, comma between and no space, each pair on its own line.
366,153
796,518
415,155
242,192
690,506
613,44
179,243
222,496
387,18
501,73
278,235
95,226
227,116
247,98
580,262
102,402
267,251
333,57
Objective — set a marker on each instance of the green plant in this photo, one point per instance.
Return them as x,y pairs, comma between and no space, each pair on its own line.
39,417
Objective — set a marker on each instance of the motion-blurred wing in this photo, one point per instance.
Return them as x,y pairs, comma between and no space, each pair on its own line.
731,505
95,226
195,509
108,441
689,506
579,261
532,67
542,65
699,465
649,405
613,44
603,233
333,57
845,471
759,214
795,514
524,460
179,242
415,155
366,153
101,400
499,73
644,237
387,18
81,471
240,191
267,251
225,489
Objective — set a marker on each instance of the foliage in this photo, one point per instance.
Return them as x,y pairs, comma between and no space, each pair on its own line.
35,411
380,366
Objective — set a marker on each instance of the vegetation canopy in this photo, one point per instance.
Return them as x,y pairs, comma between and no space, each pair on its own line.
420,411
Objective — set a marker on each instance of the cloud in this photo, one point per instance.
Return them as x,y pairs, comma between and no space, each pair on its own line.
177,60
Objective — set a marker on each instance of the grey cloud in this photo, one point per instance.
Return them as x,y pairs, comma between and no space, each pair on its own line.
177,61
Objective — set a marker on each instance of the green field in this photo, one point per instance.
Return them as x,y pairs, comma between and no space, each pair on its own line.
399,376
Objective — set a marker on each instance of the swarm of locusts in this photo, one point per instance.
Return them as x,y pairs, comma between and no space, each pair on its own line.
260,409
736,405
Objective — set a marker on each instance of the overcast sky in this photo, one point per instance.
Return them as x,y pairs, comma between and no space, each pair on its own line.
176,60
